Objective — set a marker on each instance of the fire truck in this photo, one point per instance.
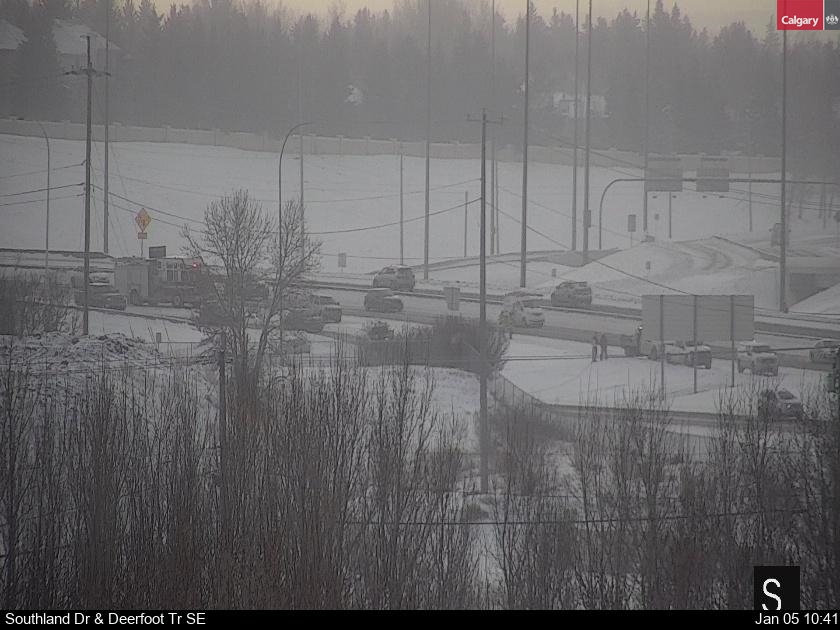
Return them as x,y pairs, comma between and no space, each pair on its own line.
173,280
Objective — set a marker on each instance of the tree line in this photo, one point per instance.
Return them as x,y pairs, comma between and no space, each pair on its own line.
245,66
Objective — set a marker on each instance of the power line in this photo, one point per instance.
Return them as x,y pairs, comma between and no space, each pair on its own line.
37,190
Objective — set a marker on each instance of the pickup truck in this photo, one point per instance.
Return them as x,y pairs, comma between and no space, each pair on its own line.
637,346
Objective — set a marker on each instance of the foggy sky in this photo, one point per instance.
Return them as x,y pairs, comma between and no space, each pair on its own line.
711,14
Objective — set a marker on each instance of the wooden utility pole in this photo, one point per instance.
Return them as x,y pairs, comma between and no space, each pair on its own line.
466,224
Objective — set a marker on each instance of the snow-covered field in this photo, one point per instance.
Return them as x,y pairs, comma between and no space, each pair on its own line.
342,193
352,205
568,376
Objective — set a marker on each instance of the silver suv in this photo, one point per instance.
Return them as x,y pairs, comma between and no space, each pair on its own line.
397,278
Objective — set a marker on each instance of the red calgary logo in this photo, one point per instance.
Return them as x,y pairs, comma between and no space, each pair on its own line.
799,15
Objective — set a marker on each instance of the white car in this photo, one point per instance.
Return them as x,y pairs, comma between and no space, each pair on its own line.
523,310
758,358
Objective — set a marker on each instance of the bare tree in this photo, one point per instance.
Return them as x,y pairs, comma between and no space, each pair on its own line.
245,241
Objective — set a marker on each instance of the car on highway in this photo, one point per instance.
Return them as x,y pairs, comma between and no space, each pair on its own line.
396,277
102,295
573,294
328,308
383,301
824,351
758,358
779,404
701,354
522,309
301,320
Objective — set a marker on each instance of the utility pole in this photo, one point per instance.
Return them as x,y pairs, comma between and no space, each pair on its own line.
749,199
586,214
300,138
575,148
524,224
466,224
495,194
783,240
670,217
402,216
492,135
647,114
47,234
107,124
482,334
428,137
89,72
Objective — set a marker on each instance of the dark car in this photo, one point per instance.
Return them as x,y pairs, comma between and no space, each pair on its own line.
383,301
573,294
302,319
779,404
824,351
398,278
329,308
102,295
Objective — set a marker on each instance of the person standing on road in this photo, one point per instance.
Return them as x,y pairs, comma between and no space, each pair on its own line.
603,346
594,348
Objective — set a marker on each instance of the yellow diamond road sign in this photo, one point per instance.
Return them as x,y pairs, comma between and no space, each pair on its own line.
142,219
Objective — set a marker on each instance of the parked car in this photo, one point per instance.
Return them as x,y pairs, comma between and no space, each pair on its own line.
779,404
302,319
397,277
573,294
758,358
824,351
328,308
701,354
383,301
102,295
523,310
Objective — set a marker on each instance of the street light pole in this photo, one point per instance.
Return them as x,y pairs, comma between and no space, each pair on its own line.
575,148
524,223
647,117
428,137
280,175
783,239
586,213
47,235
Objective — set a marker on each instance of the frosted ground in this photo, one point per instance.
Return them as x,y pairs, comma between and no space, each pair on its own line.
346,194
568,376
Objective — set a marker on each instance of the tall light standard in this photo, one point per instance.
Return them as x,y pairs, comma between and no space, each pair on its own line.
575,148
280,174
47,237
428,136
783,239
647,118
588,132
524,223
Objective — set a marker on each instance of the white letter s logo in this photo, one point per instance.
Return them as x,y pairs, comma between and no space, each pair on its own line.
773,595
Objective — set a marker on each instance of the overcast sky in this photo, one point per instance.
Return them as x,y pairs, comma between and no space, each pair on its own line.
709,13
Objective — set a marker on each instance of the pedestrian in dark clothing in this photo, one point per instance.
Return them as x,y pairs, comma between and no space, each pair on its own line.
594,348
603,346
